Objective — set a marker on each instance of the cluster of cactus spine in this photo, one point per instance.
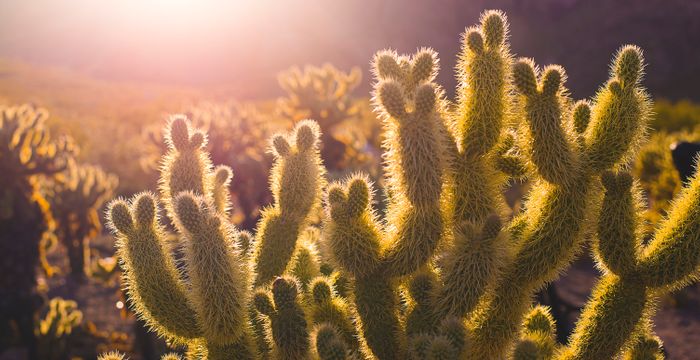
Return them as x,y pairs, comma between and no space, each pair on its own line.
446,274
28,156
76,198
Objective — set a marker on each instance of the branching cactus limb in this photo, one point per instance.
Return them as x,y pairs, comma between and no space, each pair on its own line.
483,101
471,265
218,277
474,257
624,296
560,203
410,106
288,326
538,338
355,241
329,344
152,281
328,308
186,166
620,114
296,181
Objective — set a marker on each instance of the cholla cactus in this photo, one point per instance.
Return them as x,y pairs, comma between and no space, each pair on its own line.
28,155
56,327
213,317
447,274
76,198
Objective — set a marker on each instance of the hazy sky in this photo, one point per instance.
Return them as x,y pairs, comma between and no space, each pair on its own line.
241,45
212,42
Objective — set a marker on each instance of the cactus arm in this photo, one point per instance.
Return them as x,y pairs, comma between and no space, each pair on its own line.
622,108
673,255
296,183
415,147
220,191
618,242
470,267
152,281
616,306
185,166
329,344
377,303
219,280
549,140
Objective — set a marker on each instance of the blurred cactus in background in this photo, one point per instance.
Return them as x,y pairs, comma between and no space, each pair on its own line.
324,94
448,272
28,156
54,330
76,197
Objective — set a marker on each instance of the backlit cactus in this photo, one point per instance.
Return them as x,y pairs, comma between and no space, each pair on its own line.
28,156
76,197
323,94
54,330
448,272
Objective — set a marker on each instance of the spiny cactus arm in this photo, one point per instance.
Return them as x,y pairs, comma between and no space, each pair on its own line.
219,279
421,316
288,326
304,265
415,157
241,349
553,234
296,181
352,230
582,116
547,138
171,356
377,305
220,191
484,75
616,306
618,244
186,166
327,307
537,341
151,278
329,343
673,255
455,330
470,266
621,112
646,347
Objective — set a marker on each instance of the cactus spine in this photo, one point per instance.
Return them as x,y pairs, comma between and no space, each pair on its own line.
446,274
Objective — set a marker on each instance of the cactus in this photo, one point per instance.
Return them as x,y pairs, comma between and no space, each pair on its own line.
447,273
28,155
54,330
75,199
323,94
236,132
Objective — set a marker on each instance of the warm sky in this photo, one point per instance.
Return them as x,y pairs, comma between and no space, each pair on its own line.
210,42
240,45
